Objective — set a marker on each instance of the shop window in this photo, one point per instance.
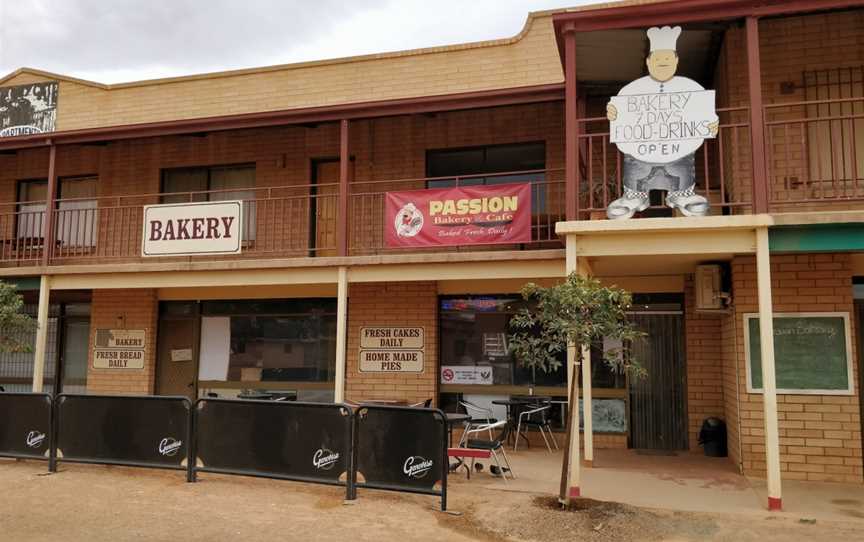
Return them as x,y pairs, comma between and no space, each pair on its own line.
214,183
268,341
491,159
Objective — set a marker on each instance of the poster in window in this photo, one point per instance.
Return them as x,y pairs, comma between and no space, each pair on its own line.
467,215
28,109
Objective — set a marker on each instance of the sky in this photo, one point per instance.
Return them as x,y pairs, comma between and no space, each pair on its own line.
111,41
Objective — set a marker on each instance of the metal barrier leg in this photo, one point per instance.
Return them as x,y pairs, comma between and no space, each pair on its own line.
52,439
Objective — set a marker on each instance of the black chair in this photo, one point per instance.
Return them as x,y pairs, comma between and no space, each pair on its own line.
495,446
537,417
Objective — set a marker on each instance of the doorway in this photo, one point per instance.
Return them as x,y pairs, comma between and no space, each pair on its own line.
657,403
324,205
177,350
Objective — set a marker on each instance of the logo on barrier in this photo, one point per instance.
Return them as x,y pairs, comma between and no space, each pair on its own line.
324,459
35,439
169,446
417,467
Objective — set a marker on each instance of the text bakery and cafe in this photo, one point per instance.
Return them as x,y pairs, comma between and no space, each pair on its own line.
359,228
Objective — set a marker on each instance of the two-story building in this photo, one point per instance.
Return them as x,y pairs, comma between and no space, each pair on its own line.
227,232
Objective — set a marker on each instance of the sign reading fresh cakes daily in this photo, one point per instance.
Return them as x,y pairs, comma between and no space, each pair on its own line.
119,349
392,349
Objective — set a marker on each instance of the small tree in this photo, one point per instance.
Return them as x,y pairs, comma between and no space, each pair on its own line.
580,311
15,326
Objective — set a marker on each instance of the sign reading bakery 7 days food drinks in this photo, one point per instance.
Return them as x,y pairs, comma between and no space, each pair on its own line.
458,216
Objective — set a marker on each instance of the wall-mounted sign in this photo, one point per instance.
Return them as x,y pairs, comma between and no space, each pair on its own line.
658,122
181,354
391,349
119,348
472,215
187,229
28,109
466,374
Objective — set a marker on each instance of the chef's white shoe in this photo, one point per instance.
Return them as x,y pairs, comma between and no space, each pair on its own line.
688,202
628,205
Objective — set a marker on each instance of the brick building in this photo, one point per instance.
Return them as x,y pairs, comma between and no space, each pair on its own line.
310,151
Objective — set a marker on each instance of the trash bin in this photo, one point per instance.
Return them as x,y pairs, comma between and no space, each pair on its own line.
712,437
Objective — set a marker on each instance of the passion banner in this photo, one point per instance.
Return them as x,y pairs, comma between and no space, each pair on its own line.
471,215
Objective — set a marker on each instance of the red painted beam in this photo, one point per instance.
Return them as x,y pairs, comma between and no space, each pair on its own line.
342,215
48,226
335,113
571,130
757,120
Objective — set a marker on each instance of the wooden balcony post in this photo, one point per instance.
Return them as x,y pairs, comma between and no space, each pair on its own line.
48,223
757,119
41,346
344,169
571,127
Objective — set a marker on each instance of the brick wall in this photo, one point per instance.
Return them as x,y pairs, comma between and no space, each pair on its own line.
704,365
393,304
124,309
820,435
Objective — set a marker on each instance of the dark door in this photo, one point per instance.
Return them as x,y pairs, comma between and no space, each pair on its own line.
74,352
177,356
658,415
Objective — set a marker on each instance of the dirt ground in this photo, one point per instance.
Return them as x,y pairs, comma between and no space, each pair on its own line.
97,503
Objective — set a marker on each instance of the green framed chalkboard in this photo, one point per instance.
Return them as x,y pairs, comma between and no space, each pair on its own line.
812,353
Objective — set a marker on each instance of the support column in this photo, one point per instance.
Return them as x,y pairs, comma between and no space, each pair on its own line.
572,482
757,120
41,334
341,333
587,422
769,384
48,223
344,172
571,128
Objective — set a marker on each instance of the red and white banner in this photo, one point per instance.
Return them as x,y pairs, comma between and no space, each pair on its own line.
470,215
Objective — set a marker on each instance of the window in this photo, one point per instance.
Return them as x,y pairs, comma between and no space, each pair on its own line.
268,341
76,217
32,195
76,212
216,183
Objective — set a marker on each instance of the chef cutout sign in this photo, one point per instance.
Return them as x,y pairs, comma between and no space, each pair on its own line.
659,122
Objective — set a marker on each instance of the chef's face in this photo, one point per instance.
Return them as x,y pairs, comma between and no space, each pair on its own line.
662,65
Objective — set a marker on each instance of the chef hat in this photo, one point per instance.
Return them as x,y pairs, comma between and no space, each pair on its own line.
663,39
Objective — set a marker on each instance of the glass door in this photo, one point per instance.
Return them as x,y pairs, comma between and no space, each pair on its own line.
76,341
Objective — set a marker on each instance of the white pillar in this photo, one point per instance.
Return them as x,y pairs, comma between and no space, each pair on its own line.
341,333
574,466
769,384
41,334
588,422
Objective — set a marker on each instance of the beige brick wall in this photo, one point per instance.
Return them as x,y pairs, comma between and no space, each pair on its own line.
393,304
704,365
124,309
530,58
820,435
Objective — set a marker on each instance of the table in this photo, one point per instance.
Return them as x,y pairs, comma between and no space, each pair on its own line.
513,413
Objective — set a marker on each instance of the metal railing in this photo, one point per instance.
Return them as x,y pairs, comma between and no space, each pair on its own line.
366,207
722,163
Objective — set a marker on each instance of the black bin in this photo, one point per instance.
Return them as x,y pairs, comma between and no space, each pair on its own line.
712,437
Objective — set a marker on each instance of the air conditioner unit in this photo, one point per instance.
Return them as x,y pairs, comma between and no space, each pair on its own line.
709,294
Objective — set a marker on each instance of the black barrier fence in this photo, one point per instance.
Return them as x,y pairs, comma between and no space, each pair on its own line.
309,442
25,425
401,449
143,431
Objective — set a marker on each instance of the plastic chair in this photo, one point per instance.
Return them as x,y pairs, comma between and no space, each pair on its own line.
536,417
479,415
495,445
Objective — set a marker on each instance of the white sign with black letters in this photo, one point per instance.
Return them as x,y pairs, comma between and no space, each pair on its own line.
187,229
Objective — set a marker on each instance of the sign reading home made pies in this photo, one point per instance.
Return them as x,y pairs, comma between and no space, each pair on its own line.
392,349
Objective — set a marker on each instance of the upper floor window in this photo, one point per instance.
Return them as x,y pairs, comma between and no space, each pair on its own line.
489,165
32,195
214,183
75,223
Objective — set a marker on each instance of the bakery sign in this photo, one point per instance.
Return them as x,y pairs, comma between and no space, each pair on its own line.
189,229
392,349
119,348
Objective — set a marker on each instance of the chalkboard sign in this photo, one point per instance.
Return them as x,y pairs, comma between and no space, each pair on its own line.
812,353
608,415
